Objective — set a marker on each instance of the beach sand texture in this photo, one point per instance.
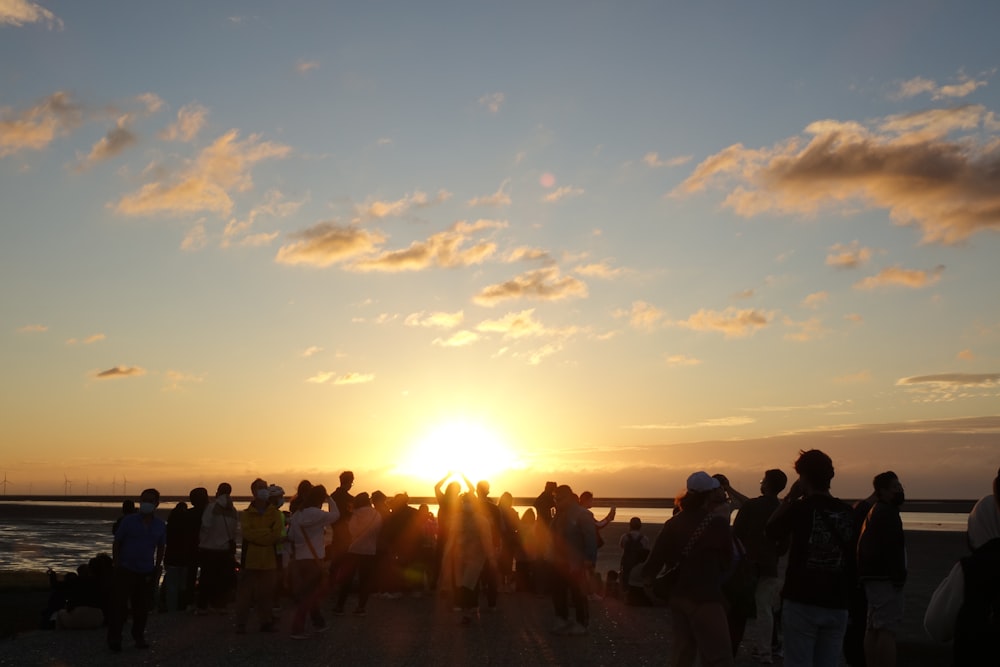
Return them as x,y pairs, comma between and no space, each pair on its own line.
425,631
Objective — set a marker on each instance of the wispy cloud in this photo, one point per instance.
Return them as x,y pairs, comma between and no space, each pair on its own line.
854,378
682,360
849,256
21,12
437,320
909,165
598,270
643,316
670,426
330,377
275,205
33,328
492,101
444,249
732,322
828,405
919,85
120,372
951,387
305,66
815,300
177,380
113,143
653,160
562,193
522,324
89,340
36,127
524,253
546,284
328,243
190,120
499,198
966,355
954,379
394,208
458,339
895,276
311,350
205,184
804,330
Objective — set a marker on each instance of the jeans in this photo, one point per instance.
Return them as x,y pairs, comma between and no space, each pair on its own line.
700,630
762,627
814,636
175,585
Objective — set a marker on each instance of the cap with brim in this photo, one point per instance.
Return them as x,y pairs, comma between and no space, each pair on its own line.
701,482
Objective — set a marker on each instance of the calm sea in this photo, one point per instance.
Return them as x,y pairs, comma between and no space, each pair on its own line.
28,543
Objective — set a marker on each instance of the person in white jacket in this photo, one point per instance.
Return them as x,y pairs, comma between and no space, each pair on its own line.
948,603
309,568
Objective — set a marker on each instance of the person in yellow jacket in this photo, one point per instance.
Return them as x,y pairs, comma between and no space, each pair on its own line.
261,525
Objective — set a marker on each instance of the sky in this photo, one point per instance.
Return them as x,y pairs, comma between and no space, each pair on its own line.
602,243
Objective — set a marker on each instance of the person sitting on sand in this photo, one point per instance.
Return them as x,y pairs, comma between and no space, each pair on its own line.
964,606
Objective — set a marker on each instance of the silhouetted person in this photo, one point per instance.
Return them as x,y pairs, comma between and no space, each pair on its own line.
128,507
217,551
261,525
137,556
574,551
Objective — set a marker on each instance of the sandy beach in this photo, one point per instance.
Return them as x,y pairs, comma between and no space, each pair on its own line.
425,631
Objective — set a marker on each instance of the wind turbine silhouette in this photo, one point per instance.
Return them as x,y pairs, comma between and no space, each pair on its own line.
125,486
5,483
67,485
114,484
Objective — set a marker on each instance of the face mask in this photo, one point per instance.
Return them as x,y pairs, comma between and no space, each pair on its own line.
146,508
223,501
262,494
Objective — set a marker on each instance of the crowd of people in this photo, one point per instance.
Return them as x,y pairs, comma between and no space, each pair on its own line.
802,575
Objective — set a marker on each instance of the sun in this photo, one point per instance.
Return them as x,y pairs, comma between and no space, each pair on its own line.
464,447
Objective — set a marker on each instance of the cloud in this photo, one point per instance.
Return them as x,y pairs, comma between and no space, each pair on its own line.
330,377
190,119
518,325
829,405
528,254
113,143
196,238
598,270
721,421
274,205
848,256
492,101
177,379
33,328
89,340
327,243
642,315
919,85
954,379
682,360
966,355
653,160
733,322
120,372
562,193
899,277
36,127
437,320
458,339
807,330
545,284
854,378
857,318
499,198
744,294
311,350
816,299
909,165
304,66
205,184
382,209
444,249
20,12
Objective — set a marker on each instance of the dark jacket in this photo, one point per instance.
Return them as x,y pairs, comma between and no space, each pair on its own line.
977,629
700,574
881,548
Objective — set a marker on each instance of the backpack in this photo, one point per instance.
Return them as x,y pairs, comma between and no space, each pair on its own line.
633,553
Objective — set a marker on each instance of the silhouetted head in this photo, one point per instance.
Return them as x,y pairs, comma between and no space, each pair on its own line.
316,496
506,500
587,499
699,491
483,489
362,500
198,497
347,479
128,506
528,516
148,500
452,490
224,489
565,497
550,487
888,488
774,482
815,470
635,523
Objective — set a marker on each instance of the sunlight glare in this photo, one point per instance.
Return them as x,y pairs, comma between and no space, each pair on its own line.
466,448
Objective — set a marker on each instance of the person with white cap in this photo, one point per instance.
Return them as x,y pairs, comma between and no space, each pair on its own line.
696,546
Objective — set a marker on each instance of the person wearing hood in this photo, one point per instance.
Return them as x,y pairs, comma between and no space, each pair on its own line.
963,607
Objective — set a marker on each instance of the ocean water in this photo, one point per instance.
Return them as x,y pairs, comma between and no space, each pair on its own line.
28,543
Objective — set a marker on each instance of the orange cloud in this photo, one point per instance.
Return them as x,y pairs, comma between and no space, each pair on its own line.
328,243
562,193
499,198
120,372
437,320
642,315
444,249
20,12
383,209
732,322
190,119
899,277
545,284
909,165
36,127
206,183
848,256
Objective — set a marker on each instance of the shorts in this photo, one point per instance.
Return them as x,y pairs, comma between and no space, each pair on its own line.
885,606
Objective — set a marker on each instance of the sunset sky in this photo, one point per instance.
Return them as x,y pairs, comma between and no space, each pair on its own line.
606,243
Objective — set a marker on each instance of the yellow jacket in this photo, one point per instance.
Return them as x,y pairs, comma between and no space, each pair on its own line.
261,532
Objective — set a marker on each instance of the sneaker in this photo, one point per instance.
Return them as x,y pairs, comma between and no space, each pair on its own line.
300,635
